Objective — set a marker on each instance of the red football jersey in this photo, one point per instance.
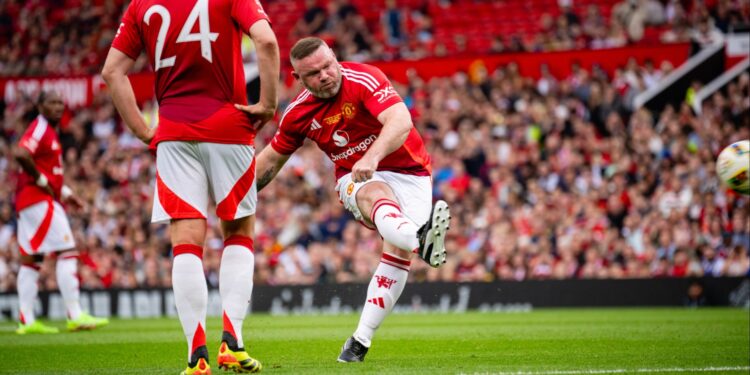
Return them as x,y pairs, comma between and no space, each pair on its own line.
41,140
194,49
345,125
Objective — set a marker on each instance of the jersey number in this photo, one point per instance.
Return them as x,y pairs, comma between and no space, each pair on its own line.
204,34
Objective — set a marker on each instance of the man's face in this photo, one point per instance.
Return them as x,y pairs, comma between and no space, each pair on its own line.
52,107
319,73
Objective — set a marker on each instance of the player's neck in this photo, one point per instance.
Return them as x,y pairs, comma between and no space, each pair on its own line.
50,122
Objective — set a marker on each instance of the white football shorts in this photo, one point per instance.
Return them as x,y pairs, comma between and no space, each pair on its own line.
187,172
414,194
43,228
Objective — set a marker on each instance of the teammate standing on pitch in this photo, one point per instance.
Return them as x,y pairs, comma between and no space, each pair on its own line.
43,226
354,115
204,145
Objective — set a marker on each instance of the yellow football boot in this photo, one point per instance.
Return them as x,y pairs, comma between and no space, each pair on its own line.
232,358
86,322
36,327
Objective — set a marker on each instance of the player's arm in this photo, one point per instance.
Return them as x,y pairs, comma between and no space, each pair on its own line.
115,74
267,166
267,49
397,124
26,161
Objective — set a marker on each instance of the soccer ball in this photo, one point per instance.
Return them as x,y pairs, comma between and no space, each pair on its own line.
733,166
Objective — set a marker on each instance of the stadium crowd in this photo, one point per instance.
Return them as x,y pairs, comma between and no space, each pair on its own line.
72,37
546,179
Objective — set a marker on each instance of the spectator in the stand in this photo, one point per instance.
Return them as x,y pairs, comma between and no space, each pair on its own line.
354,38
726,15
593,21
570,16
636,15
71,38
497,45
423,26
516,44
6,23
706,34
678,33
393,24
738,262
313,21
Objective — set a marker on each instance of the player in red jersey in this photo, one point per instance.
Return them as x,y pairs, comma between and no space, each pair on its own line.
43,226
354,115
204,145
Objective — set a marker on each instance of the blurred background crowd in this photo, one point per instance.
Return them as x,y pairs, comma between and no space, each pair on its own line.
72,37
546,178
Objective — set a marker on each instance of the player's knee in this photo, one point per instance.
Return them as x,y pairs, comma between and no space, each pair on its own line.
68,254
393,250
244,227
186,239
372,192
31,260
188,232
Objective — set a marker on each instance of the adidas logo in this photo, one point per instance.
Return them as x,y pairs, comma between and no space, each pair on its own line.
377,301
314,125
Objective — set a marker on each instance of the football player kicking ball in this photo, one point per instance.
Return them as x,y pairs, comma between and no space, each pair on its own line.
43,226
354,115
204,146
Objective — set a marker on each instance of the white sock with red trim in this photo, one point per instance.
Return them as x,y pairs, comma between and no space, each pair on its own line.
395,228
190,293
236,283
385,287
28,288
67,281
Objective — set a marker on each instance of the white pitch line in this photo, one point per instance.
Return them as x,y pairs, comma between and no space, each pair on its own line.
618,371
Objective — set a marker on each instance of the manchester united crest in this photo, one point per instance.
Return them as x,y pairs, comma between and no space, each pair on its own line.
349,111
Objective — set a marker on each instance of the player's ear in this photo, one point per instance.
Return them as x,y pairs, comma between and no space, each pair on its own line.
295,75
332,52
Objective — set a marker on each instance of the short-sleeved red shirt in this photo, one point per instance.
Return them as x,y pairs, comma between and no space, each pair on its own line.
41,140
194,48
345,125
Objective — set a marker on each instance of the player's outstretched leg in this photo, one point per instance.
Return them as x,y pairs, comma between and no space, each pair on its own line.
377,200
432,235
236,289
383,291
67,281
191,299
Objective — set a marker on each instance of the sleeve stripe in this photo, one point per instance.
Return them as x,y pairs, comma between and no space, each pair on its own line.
39,129
361,82
365,76
305,94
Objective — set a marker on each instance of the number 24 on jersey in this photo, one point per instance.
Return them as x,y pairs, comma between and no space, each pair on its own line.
204,35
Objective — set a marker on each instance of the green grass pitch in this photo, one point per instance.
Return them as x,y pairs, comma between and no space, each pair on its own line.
559,341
